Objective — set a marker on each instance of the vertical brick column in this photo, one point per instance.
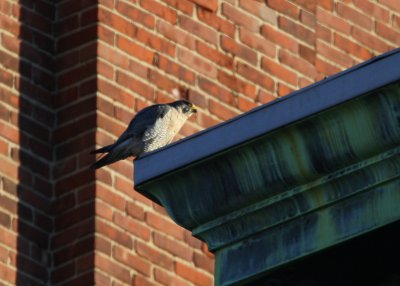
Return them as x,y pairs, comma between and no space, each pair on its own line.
26,121
74,105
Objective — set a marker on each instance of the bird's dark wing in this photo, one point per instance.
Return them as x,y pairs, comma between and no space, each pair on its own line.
144,119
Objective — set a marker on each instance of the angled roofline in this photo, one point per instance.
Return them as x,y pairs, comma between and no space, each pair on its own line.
349,84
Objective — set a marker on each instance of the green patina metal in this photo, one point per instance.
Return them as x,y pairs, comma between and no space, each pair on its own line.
294,191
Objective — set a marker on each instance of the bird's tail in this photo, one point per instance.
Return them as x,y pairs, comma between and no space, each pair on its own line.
116,153
104,149
105,160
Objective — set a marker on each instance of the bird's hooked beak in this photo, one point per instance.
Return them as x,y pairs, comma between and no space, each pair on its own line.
194,109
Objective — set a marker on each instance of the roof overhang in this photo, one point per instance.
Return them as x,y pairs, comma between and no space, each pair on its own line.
291,177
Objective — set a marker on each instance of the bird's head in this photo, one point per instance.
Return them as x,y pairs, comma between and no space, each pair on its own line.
184,106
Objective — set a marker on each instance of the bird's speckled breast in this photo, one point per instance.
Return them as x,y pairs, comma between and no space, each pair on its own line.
165,130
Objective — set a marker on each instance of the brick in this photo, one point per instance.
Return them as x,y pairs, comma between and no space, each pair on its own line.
77,74
125,186
85,263
135,50
199,64
303,82
391,4
351,47
168,279
193,275
244,104
111,198
160,10
325,68
298,31
184,6
122,114
298,63
283,89
104,210
73,234
8,168
308,19
211,5
198,29
396,21
172,246
132,261
307,53
265,96
8,237
279,38
155,42
260,10
237,84
132,226
323,33
256,76
112,269
135,85
222,25
239,18
3,147
372,9
5,219
163,224
10,25
67,131
388,33
334,55
103,176
278,70
326,4
70,7
113,234
256,42
135,211
88,17
333,22
162,81
136,15
103,245
63,273
176,35
221,111
231,46
101,279
354,16
118,23
116,93
215,90
214,55
154,255
141,281
105,34
198,98
105,69
78,38
204,262
369,40
310,6
284,7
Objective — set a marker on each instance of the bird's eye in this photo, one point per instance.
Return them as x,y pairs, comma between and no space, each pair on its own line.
186,109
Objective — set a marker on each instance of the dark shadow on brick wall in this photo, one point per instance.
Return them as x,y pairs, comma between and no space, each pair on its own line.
57,123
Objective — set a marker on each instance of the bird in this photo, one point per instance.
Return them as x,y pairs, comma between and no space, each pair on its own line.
153,127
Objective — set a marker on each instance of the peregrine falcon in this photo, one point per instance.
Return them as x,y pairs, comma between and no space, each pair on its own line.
153,127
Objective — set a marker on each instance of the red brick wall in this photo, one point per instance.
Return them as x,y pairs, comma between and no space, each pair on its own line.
72,74
26,121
